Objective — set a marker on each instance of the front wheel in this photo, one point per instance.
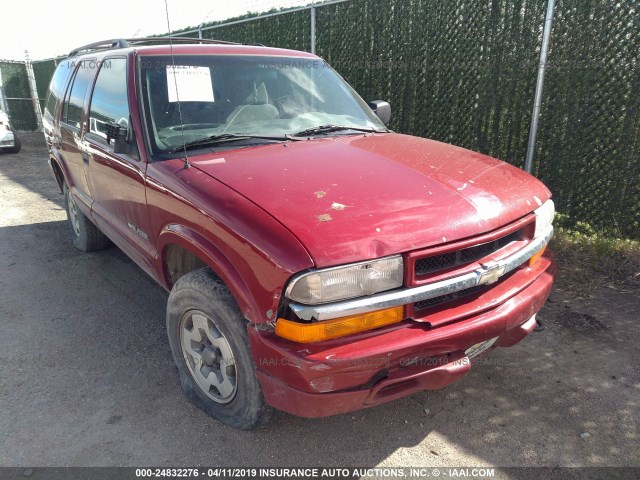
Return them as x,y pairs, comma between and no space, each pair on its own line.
210,345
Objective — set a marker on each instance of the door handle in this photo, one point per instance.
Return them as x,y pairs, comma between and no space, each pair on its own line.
86,156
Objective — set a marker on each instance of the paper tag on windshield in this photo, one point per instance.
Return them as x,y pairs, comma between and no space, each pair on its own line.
189,84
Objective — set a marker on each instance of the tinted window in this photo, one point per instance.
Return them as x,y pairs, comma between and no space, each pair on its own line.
72,113
56,88
109,101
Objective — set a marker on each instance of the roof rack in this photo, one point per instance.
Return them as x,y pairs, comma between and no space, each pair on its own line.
130,42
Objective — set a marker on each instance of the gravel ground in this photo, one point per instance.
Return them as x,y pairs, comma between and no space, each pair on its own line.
87,379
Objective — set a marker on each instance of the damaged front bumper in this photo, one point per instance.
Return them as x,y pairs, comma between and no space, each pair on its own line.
371,368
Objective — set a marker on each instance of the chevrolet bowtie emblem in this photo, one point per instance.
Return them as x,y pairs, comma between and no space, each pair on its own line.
490,274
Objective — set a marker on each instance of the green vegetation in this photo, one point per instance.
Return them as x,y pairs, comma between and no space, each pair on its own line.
588,259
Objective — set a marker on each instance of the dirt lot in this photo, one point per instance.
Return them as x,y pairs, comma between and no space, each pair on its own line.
86,375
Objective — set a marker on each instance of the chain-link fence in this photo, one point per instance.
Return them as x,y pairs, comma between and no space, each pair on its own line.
588,149
43,71
291,30
464,72
16,95
460,71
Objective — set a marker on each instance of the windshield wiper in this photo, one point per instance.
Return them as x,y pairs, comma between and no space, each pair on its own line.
335,128
228,137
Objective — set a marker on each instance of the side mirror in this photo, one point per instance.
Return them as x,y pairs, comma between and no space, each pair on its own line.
120,137
382,109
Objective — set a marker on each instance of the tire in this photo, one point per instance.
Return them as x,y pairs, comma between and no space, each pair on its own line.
216,370
17,145
85,235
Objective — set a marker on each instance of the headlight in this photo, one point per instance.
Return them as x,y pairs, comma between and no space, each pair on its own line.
348,281
544,217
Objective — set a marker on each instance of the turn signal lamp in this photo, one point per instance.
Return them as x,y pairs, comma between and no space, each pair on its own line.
340,327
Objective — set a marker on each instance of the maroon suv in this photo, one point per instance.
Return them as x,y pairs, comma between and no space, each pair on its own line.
317,262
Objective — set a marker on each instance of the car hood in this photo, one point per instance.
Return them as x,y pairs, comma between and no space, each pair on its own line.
356,197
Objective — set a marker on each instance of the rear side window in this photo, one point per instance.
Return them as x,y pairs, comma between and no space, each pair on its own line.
56,88
109,102
72,111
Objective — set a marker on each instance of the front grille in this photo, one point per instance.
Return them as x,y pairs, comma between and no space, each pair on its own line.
443,261
432,302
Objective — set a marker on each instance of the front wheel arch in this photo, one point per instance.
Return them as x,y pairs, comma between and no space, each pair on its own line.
199,251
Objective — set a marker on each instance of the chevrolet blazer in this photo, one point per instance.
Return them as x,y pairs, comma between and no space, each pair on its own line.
316,261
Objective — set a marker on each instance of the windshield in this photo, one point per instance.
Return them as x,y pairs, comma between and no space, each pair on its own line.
244,95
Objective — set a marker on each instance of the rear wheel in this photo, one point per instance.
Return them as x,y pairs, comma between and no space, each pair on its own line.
85,235
210,345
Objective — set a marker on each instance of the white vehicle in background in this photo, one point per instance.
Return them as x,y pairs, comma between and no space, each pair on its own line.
9,141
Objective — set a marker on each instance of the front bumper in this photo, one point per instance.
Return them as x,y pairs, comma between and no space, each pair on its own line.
342,375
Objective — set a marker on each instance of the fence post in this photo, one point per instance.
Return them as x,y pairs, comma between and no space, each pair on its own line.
537,102
33,89
313,27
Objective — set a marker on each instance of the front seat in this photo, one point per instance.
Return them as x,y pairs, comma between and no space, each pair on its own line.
256,108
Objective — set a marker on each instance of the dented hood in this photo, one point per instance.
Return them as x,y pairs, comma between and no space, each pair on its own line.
353,198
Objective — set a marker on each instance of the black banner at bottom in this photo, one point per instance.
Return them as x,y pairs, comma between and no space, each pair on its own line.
330,473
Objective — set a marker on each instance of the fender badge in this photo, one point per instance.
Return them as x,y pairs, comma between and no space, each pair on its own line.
138,231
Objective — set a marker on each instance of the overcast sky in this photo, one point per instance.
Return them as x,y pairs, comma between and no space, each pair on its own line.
48,28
